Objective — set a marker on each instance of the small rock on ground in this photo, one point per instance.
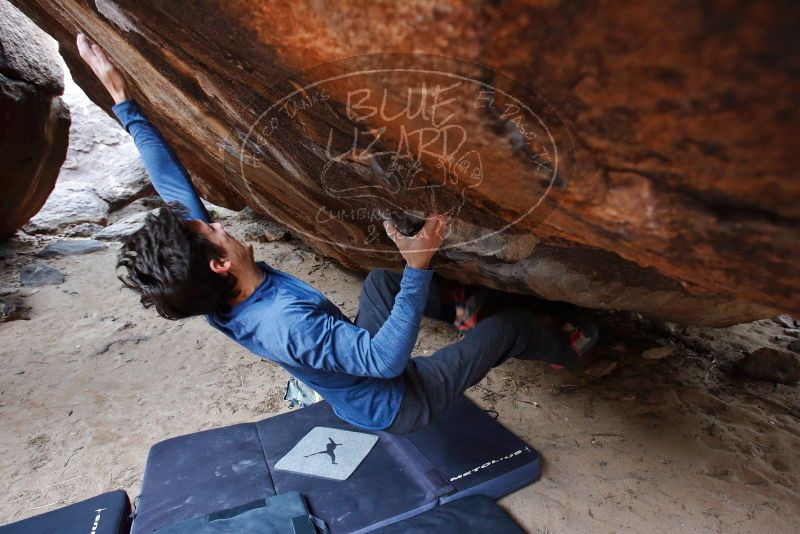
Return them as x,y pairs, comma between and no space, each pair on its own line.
247,214
262,230
666,327
40,274
6,310
264,233
82,230
785,321
795,345
68,247
657,353
12,312
124,228
771,365
291,259
218,212
601,369
23,237
148,203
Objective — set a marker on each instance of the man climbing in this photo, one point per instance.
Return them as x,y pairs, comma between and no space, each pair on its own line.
183,264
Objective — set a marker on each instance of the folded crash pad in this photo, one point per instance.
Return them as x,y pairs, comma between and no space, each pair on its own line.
474,514
353,480
279,514
108,513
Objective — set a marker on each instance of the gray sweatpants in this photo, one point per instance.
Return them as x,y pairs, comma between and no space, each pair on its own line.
434,382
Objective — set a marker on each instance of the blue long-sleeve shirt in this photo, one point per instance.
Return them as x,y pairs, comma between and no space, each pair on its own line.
289,322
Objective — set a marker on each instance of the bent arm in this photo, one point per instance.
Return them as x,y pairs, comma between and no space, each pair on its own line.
168,176
337,345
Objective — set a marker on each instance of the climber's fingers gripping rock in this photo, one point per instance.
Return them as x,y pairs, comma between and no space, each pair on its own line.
106,72
419,249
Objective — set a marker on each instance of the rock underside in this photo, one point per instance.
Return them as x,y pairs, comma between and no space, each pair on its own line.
34,122
639,157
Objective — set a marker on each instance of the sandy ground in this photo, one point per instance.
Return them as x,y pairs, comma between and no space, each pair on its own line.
92,380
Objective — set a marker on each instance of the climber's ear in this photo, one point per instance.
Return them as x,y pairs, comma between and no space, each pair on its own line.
220,266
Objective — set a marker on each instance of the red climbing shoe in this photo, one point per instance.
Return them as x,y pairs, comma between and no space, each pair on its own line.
581,338
468,307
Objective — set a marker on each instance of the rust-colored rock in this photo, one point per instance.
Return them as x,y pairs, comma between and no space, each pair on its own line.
34,122
674,190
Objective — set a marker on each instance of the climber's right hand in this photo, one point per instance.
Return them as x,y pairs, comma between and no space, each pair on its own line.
106,72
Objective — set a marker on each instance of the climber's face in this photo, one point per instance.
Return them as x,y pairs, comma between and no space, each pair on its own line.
234,254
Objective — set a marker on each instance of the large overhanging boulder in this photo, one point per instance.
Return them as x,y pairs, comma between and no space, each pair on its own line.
640,157
34,122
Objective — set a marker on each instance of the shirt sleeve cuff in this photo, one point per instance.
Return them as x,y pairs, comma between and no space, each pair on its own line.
412,273
126,111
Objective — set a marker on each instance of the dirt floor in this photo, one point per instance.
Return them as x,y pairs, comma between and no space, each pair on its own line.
678,444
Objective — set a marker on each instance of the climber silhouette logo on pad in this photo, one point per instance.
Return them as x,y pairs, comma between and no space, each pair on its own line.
328,453
329,450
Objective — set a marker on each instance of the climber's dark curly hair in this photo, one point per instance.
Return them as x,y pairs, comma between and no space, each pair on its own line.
168,265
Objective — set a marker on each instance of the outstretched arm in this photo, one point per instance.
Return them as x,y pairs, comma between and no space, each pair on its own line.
321,341
168,176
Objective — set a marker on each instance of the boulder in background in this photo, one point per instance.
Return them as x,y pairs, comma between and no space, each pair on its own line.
34,121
